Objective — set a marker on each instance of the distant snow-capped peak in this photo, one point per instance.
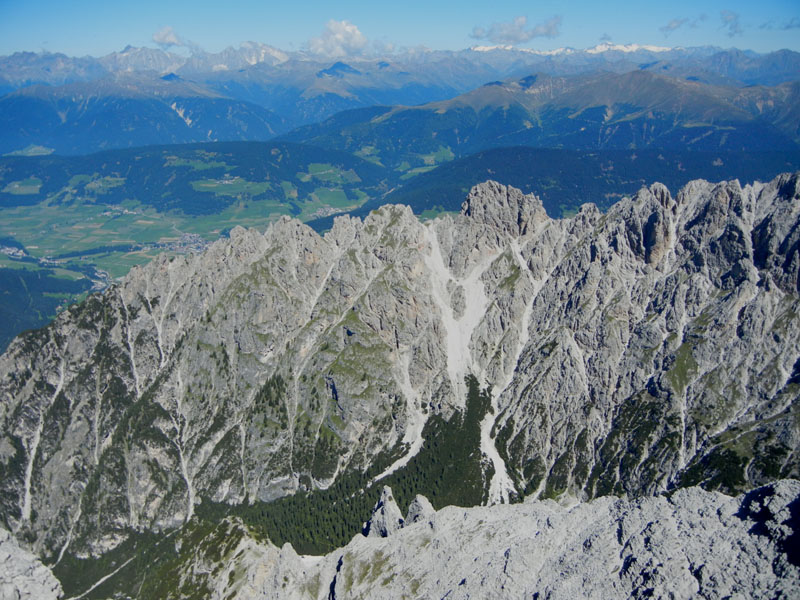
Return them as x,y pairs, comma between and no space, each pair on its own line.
609,47
600,48
507,48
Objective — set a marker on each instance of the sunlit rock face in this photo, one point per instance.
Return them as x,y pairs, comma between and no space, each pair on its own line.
691,544
646,349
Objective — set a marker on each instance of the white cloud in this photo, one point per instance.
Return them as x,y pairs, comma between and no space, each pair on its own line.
677,23
166,37
793,24
730,21
340,38
380,47
673,25
517,31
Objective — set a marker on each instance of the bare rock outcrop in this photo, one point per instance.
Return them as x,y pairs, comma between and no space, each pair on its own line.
386,516
420,509
503,208
692,544
22,575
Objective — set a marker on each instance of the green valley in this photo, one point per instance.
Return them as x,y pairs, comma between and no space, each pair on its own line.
94,217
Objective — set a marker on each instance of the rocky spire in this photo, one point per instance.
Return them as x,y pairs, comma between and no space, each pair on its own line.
386,516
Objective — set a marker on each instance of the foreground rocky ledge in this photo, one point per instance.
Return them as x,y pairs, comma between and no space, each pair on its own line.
692,544
22,575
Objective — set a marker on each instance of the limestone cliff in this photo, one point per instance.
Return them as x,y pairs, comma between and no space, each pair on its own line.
650,348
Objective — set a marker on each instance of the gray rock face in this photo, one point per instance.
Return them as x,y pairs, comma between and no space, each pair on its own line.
22,575
420,509
653,347
504,209
694,544
386,516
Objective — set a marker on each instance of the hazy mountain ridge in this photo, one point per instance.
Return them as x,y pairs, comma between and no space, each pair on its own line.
650,348
633,110
82,118
301,88
25,68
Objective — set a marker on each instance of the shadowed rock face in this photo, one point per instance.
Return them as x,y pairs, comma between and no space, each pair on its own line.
649,348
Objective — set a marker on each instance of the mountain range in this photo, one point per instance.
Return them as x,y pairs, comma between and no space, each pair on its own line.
633,110
81,118
270,387
293,339
23,69
256,91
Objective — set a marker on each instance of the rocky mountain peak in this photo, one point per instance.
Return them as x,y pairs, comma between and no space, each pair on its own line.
504,208
420,509
386,516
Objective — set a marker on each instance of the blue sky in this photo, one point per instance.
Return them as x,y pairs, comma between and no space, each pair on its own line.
81,27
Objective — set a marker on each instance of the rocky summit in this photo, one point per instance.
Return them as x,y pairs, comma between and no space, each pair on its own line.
277,382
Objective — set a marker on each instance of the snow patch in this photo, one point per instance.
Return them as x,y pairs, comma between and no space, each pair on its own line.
509,48
599,49
609,47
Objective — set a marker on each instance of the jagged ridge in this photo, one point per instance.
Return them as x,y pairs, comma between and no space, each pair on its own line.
649,348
